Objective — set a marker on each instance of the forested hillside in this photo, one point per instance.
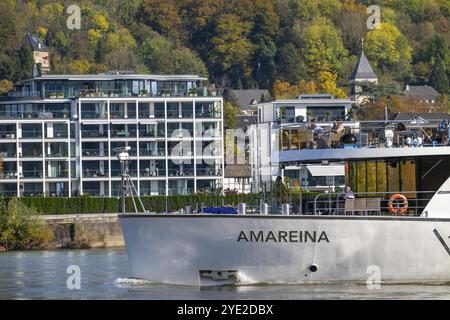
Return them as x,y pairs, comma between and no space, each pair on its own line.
238,44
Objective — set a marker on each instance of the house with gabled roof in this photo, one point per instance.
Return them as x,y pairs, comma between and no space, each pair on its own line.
41,53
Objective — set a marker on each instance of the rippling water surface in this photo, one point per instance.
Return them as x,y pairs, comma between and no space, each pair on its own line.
104,275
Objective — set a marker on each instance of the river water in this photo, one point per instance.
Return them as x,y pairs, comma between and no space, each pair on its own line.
104,274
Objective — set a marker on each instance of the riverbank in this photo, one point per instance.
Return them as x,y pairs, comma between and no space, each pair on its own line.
84,231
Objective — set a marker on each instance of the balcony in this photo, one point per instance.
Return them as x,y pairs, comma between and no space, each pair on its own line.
8,175
213,172
118,172
31,153
157,152
123,133
11,153
181,172
95,153
94,173
160,133
8,134
58,174
32,134
33,174
157,172
93,134
93,115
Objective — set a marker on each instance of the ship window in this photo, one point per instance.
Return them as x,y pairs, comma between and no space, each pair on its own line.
362,176
371,176
393,174
381,176
408,177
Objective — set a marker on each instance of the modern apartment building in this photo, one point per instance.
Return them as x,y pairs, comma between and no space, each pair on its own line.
58,134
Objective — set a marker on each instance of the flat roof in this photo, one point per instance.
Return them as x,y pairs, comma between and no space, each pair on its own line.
313,101
112,76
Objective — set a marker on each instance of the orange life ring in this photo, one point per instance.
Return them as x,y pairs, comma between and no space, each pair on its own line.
398,209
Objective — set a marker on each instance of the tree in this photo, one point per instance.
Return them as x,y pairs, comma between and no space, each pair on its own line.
231,49
6,86
264,58
326,83
438,78
289,64
162,16
229,115
19,226
26,62
322,47
388,49
285,90
163,56
117,50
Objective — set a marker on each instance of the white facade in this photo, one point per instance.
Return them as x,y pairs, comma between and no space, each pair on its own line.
65,147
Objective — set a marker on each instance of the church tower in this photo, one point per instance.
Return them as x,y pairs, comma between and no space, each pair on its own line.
361,76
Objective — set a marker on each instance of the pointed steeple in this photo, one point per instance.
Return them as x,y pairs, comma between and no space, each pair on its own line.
363,70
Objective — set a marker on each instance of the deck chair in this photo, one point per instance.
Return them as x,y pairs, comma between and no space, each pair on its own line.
360,205
374,205
349,206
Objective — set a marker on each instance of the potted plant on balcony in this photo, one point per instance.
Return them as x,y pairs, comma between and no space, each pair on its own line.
65,112
144,93
193,92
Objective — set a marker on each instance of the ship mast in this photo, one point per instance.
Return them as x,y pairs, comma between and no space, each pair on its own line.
127,186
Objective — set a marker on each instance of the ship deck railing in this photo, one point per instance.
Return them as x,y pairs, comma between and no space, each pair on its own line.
371,203
368,134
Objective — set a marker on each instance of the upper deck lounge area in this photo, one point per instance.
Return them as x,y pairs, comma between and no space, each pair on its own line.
362,139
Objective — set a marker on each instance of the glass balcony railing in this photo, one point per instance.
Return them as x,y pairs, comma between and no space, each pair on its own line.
8,175
180,172
93,134
117,173
8,154
209,172
86,114
152,134
146,114
94,173
31,134
8,134
71,93
32,193
59,174
180,191
123,134
152,152
94,192
31,154
155,173
152,192
59,135
95,153
58,154
8,193
32,174
35,115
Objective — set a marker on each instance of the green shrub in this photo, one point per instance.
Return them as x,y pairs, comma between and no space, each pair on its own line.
88,204
19,226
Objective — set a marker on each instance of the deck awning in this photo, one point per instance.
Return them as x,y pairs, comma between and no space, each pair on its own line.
324,171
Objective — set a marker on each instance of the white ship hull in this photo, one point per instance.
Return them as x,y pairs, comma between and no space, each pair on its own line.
182,249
